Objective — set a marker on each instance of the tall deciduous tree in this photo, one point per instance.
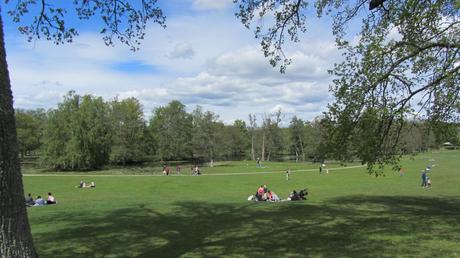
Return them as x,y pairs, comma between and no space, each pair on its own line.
205,138
123,20
252,131
402,64
29,126
272,137
241,140
171,128
128,131
78,135
297,137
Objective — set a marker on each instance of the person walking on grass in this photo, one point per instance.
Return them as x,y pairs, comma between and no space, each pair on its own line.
424,177
288,174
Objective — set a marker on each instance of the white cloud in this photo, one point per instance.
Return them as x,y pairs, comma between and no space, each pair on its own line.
194,61
282,108
211,4
182,50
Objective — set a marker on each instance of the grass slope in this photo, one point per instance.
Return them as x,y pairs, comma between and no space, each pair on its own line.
349,213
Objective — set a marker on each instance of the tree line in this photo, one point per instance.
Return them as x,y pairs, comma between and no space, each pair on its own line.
87,132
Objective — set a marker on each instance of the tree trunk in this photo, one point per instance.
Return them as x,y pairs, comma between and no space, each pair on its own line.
252,146
301,149
211,158
15,236
263,147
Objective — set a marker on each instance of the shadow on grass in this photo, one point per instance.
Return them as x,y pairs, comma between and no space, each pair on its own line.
353,226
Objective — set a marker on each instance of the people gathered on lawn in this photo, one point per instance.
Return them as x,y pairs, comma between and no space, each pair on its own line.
264,194
82,184
29,201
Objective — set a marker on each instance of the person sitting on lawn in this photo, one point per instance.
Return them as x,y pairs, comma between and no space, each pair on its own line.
92,185
294,196
274,197
82,184
269,195
303,193
29,200
51,199
260,192
39,201
265,197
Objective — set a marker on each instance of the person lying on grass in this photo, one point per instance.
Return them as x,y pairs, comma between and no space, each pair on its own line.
84,185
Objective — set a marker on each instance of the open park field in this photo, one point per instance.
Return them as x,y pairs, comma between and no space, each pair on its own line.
348,212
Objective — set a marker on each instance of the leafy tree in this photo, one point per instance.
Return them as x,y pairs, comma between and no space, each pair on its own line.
402,64
417,136
252,131
128,131
235,141
78,135
171,128
297,134
272,137
123,20
29,126
316,135
205,138
241,139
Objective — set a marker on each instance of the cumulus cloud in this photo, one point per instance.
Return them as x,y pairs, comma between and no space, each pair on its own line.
182,50
39,100
195,61
211,4
282,108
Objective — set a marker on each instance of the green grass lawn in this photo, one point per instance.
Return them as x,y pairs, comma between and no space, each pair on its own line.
348,214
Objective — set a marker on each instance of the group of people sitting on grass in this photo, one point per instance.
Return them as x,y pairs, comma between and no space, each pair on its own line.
263,194
39,201
298,196
82,184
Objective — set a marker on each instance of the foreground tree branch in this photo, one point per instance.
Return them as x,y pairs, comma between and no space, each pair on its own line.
405,58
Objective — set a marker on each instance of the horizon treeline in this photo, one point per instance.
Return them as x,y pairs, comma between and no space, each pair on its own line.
87,132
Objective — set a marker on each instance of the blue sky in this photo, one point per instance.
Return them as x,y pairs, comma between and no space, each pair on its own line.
204,57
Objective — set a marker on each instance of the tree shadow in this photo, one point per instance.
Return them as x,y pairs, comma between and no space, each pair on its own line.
349,226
